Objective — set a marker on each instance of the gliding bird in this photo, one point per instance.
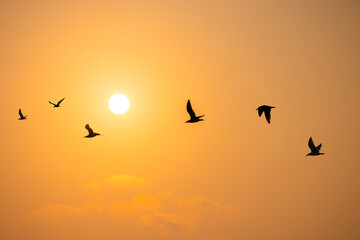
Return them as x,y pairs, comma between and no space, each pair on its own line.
58,104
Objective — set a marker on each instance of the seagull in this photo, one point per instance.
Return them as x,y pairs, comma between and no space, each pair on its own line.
193,117
314,150
266,109
22,117
91,132
58,104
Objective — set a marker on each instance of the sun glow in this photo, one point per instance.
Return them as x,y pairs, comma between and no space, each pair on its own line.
119,104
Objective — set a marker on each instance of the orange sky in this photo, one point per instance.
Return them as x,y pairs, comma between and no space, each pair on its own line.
151,176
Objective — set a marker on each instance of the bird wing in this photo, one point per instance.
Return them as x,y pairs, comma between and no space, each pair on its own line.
260,111
89,129
20,113
52,103
190,110
319,147
268,115
312,145
60,101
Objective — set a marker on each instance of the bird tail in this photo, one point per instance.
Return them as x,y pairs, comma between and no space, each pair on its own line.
201,116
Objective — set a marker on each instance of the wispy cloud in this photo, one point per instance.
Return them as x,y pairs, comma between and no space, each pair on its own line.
165,214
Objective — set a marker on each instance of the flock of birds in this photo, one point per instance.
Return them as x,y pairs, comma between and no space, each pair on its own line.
262,109
315,151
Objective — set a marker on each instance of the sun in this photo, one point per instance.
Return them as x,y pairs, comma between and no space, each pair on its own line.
119,104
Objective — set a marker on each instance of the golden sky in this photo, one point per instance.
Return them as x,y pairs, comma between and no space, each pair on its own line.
151,176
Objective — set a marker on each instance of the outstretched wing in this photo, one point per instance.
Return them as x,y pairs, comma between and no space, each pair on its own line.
312,145
52,103
20,113
89,129
260,111
190,110
319,147
268,115
60,101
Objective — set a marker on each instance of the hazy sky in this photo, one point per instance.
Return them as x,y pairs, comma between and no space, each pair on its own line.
151,176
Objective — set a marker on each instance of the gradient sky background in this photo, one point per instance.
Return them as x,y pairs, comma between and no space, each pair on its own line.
152,176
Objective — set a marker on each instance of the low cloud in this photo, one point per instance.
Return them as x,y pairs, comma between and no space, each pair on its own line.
161,215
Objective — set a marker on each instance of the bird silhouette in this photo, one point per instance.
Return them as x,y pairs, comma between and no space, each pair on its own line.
58,104
193,117
314,150
22,117
266,109
91,132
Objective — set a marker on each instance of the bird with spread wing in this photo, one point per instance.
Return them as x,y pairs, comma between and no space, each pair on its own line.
91,132
22,117
266,109
193,117
58,104
315,151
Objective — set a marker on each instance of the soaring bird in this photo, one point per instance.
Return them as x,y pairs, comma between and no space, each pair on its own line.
22,117
58,104
193,117
91,132
266,109
314,150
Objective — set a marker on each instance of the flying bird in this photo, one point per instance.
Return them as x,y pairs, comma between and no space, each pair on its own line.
266,109
314,150
91,132
193,117
22,117
58,104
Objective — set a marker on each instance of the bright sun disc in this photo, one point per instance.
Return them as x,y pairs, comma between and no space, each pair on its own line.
119,104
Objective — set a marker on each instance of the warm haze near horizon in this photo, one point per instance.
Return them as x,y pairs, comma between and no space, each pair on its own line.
151,176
